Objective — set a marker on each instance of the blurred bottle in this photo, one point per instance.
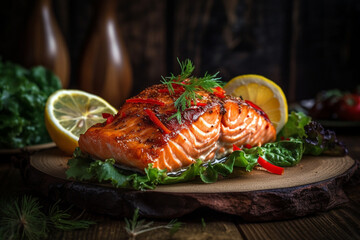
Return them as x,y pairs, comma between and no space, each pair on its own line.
105,68
44,43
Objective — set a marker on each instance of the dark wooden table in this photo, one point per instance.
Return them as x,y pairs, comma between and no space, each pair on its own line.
340,223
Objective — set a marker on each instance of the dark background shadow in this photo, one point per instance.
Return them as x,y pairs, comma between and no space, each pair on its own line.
303,45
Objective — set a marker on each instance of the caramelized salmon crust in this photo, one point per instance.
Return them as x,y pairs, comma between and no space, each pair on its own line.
207,131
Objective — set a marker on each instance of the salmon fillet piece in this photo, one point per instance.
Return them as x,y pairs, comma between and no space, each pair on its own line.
206,132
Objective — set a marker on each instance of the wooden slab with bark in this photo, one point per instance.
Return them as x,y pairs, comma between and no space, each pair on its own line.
314,185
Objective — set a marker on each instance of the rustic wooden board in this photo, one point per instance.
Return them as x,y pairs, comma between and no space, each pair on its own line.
313,185
28,149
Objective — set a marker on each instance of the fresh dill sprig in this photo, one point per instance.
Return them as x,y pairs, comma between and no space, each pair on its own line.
190,85
23,218
135,227
203,223
61,219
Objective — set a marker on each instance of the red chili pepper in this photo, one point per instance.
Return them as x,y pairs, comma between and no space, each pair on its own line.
156,121
198,104
219,92
283,139
163,90
148,100
106,115
236,148
270,167
257,108
248,146
177,89
109,118
201,104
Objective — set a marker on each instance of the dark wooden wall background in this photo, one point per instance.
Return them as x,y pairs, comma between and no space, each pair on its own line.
303,45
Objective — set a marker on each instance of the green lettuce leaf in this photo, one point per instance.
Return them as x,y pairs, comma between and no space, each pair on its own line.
246,158
315,138
322,141
294,126
82,168
284,153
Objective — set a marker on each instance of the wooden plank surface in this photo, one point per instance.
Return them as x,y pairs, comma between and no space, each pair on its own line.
340,223
313,185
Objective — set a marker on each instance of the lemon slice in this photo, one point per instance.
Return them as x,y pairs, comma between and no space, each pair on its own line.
69,113
264,93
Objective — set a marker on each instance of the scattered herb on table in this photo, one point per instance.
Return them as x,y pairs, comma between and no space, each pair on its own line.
135,227
203,223
23,95
24,218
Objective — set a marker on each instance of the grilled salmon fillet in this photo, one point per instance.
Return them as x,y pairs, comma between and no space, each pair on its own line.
207,131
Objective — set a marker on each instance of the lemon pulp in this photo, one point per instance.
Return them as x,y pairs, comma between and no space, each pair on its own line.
69,113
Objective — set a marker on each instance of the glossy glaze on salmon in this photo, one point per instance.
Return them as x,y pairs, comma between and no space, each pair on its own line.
208,131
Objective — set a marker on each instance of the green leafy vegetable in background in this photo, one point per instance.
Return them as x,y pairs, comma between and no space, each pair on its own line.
23,95
316,139
322,141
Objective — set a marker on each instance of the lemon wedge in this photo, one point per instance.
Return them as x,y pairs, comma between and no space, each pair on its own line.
264,93
69,113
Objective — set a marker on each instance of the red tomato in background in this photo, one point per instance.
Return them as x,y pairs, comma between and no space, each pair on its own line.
349,107
326,104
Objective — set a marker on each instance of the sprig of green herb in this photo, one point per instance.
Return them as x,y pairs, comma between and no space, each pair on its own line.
135,227
191,85
61,219
23,218
203,223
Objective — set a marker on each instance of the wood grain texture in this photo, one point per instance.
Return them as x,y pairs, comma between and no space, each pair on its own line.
312,186
342,222
310,170
304,46
28,149
233,37
326,46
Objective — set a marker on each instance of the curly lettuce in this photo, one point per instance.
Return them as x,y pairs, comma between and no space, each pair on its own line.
316,139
